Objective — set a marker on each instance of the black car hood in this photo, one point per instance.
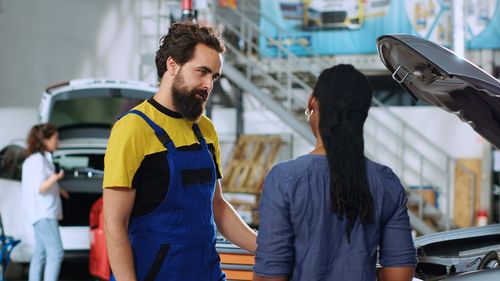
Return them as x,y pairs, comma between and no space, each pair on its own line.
434,74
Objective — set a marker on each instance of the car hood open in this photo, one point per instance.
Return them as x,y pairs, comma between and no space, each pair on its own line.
434,74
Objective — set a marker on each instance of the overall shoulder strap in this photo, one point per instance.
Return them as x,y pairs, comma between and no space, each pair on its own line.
197,133
162,136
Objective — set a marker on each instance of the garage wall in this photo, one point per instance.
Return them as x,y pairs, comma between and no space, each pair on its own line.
24,117
442,128
48,41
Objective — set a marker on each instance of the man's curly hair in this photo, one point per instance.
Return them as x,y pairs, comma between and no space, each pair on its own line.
180,42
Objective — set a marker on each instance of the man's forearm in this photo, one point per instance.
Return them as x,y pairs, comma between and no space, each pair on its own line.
120,253
230,224
117,206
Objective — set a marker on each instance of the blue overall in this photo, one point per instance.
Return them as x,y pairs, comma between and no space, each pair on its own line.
176,241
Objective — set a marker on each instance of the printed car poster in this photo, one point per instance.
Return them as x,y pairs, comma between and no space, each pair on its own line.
329,27
482,19
430,19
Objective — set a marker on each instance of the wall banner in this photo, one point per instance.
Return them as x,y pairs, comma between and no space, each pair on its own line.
331,27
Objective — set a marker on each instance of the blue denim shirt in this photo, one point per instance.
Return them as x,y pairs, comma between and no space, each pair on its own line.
300,237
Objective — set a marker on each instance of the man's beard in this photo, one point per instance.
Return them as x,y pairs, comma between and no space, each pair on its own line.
187,102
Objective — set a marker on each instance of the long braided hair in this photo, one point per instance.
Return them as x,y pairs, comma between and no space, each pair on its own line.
344,96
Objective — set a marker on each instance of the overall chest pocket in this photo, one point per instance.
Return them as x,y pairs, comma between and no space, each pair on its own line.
192,177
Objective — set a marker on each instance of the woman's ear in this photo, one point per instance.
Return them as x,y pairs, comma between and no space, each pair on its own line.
312,102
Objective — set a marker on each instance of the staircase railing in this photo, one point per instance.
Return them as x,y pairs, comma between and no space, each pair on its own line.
283,66
279,81
250,7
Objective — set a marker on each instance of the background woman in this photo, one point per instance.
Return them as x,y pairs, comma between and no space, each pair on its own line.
328,214
42,202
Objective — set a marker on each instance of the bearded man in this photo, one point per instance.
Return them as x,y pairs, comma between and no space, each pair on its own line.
163,202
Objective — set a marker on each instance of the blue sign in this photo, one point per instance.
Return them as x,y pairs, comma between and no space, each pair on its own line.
332,27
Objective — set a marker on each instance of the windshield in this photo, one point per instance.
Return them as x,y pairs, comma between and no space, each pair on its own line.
90,111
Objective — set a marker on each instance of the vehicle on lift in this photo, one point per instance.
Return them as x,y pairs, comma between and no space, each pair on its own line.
333,14
84,111
435,75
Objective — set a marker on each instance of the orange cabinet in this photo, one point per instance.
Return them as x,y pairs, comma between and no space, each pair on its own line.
235,262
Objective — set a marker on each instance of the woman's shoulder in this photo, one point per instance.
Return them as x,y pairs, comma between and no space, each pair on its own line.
378,169
383,177
298,167
301,162
33,159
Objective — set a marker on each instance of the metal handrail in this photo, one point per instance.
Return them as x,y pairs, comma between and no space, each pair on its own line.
290,55
411,129
413,149
423,181
291,78
384,146
281,48
281,30
249,28
268,77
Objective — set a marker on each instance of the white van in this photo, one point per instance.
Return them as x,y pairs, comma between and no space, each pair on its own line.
84,111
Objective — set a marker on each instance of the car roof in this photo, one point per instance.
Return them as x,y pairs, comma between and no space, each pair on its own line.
89,83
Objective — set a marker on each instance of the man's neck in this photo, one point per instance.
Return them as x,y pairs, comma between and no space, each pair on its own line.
164,97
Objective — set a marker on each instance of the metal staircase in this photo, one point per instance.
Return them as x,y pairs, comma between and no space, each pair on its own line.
282,84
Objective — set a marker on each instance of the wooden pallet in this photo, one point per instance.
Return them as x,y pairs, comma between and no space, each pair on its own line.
252,158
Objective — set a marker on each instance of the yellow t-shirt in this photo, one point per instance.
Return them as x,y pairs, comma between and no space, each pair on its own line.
135,158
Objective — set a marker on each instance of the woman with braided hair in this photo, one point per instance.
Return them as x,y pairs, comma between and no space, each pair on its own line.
42,202
329,214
